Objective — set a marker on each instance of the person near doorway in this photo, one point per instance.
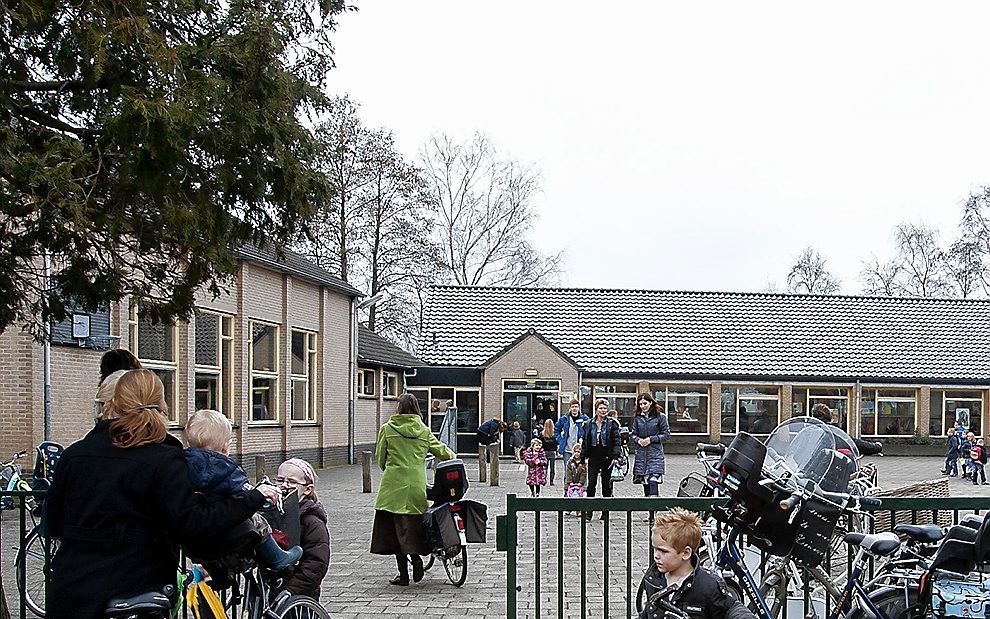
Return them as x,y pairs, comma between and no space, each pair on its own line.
601,449
650,428
488,435
569,429
549,441
517,440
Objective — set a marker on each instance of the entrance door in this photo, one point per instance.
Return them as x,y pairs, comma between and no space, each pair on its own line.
531,410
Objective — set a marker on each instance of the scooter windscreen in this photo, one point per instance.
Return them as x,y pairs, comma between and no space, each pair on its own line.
812,450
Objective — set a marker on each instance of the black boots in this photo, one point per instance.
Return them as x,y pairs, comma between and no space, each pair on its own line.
402,578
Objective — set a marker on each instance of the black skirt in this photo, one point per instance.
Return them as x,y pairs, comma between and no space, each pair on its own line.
399,534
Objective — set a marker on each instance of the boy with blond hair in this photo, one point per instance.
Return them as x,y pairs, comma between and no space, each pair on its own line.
699,592
214,474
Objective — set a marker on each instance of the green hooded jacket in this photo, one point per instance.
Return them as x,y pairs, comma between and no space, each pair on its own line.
403,443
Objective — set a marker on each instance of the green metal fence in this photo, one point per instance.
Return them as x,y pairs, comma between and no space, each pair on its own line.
565,566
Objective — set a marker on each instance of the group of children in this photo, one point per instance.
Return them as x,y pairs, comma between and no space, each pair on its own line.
536,458
964,449
214,474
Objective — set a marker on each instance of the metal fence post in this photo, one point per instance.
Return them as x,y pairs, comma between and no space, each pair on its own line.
510,555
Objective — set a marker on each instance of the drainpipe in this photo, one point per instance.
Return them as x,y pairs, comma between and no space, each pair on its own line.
48,353
859,411
352,370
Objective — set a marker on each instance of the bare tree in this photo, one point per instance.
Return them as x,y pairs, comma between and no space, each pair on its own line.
482,204
922,260
919,267
395,243
810,275
965,266
344,145
882,278
975,228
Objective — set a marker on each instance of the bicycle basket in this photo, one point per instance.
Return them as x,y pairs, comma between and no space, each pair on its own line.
694,485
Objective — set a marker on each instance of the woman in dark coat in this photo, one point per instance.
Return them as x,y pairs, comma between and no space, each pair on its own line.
650,429
121,502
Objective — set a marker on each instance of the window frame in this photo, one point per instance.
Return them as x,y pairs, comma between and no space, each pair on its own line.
265,374
309,377
946,399
362,382
877,399
386,378
157,365
698,391
752,396
225,344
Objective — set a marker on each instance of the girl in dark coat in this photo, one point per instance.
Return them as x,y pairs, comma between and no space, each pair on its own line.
650,429
314,536
121,502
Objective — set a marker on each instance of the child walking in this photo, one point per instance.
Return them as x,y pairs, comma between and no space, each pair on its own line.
214,474
575,476
977,463
517,440
314,537
952,453
536,459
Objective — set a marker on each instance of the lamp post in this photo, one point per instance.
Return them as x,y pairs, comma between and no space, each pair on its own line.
352,364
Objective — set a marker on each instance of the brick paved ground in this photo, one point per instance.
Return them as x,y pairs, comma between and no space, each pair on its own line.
357,585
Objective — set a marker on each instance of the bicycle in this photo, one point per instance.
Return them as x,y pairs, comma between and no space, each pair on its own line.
34,556
452,522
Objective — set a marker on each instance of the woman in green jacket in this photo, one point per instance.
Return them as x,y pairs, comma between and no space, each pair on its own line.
403,443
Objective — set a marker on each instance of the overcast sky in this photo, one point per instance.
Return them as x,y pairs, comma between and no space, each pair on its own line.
689,145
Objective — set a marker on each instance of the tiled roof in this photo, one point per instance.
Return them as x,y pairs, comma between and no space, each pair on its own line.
373,348
294,264
717,333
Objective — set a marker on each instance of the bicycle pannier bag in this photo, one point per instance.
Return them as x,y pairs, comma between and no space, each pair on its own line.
475,516
440,527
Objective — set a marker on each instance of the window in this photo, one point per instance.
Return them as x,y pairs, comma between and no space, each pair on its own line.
621,398
390,385
442,398
803,399
302,406
213,355
366,383
687,407
888,412
966,407
750,409
264,371
154,346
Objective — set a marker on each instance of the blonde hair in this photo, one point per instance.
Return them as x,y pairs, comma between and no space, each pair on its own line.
208,429
138,408
548,428
535,443
601,402
105,391
679,527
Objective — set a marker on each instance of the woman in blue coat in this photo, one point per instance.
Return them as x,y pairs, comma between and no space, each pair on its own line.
650,429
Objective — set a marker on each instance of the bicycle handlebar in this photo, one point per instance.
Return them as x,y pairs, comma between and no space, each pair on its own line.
790,502
716,449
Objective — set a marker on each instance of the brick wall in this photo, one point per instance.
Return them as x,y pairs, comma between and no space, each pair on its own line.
530,352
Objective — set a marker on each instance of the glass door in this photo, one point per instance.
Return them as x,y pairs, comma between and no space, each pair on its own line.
516,407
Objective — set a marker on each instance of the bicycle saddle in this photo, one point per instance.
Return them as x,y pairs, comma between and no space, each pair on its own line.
149,602
925,533
881,544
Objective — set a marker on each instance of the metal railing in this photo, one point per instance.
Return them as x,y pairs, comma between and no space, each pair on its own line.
574,567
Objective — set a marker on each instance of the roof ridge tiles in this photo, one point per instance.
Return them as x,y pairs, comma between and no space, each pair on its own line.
711,293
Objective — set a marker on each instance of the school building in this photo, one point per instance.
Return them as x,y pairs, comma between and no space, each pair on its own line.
277,353
898,369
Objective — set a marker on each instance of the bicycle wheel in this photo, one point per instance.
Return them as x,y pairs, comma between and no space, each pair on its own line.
455,563
429,561
301,607
641,597
32,557
890,602
624,462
